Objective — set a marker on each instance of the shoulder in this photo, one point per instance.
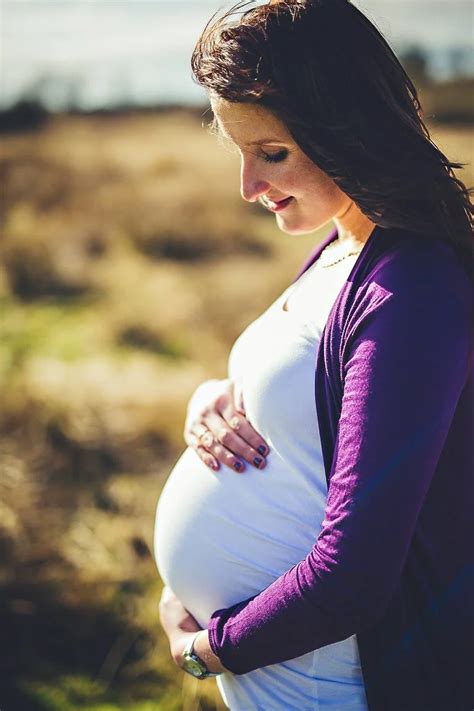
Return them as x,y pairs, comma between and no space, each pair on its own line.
416,269
410,289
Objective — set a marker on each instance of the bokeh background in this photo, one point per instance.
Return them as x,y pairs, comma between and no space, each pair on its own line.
129,265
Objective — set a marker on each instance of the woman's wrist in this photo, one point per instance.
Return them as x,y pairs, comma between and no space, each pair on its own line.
201,647
204,651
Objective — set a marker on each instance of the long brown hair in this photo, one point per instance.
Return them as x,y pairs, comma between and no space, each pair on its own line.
330,76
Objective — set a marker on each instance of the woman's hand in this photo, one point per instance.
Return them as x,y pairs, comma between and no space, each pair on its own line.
174,617
217,429
180,626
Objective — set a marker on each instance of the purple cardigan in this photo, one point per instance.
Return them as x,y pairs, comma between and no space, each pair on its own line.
394,562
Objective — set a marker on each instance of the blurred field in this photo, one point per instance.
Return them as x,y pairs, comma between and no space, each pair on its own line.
129,265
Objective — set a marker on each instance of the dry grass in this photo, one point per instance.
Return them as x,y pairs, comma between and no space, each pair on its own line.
129,266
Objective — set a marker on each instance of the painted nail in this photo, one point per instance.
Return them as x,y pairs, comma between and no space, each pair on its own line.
238,466
257,461
262,449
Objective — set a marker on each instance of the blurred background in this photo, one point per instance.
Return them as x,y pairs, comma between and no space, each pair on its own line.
128,266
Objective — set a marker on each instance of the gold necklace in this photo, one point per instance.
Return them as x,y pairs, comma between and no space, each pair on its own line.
349,254
324,264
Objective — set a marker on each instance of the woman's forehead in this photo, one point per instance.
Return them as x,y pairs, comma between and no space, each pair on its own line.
248,123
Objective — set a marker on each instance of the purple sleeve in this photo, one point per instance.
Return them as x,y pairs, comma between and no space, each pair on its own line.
405,362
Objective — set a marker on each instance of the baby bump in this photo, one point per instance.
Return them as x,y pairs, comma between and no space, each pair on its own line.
221,537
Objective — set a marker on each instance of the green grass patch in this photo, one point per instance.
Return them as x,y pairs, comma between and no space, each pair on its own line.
47,329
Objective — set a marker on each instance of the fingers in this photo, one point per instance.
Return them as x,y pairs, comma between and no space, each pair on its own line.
219,431
211,451
209,460
256,444
227,442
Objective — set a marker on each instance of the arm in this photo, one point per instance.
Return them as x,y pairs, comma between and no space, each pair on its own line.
404,368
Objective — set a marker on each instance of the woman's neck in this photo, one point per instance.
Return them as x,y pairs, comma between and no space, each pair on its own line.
353,226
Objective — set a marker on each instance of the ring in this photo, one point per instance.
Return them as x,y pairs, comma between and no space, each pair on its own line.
207,439
235,423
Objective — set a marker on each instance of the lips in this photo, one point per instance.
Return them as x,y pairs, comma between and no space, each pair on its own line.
277,205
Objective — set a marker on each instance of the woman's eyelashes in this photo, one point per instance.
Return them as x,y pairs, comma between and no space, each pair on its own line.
275,157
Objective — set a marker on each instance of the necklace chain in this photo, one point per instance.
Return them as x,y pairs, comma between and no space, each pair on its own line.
330,246
349,254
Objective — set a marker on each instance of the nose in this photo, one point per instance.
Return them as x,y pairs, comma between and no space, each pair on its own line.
252,184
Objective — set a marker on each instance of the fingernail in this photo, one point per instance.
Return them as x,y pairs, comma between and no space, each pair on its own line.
257,461
238,466
262,449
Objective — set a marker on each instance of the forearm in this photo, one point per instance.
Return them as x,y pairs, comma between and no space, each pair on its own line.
285,621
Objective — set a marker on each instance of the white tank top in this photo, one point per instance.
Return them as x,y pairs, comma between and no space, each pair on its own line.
221,537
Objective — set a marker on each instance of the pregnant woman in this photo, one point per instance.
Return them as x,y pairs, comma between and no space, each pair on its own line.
315,538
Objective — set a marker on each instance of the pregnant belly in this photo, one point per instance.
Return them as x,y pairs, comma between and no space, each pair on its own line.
221,537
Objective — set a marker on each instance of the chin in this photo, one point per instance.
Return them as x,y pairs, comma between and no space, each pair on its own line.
298,229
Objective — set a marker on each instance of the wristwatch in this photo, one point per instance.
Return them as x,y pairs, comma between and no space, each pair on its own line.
194,664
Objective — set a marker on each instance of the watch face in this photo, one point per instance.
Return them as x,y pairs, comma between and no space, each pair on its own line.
193,667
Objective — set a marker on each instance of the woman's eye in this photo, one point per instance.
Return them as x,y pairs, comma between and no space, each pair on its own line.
275,157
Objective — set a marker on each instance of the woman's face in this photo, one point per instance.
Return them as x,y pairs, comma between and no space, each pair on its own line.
276,172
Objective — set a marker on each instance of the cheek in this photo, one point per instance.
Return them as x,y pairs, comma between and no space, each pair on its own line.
338,198
327,191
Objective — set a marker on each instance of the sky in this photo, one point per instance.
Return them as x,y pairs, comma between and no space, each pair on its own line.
94,53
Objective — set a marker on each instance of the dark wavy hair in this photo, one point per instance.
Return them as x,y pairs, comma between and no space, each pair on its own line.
330,76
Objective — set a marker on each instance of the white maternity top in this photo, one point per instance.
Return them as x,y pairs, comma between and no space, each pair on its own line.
221,537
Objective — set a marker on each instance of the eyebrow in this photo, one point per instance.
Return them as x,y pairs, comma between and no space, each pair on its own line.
264,140
216,128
